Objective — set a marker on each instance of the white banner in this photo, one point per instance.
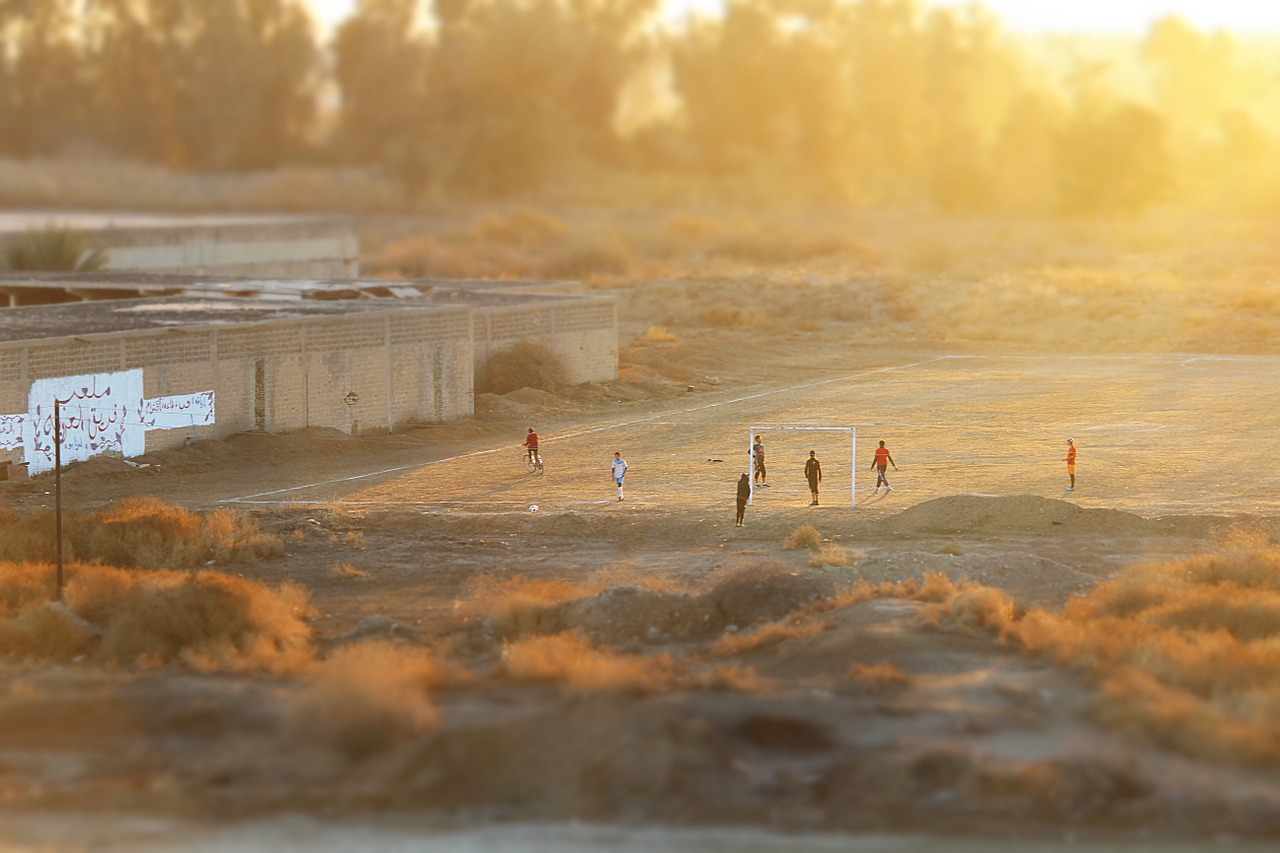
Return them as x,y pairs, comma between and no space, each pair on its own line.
186,410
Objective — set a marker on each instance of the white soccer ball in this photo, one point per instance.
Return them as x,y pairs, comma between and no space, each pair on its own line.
533,507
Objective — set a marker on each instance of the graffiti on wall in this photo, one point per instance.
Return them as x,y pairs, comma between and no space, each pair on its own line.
99,413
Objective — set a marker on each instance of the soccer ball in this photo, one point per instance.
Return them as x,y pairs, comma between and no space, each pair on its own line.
533,507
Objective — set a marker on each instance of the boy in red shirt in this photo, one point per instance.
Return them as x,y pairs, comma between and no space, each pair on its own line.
1071,464
882,461
531,442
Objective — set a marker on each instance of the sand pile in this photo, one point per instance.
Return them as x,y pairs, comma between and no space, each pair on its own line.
1015,514
754,594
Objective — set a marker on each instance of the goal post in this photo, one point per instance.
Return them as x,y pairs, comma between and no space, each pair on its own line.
853,453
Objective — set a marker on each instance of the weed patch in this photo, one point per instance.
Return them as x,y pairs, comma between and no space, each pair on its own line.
804,536
205,620
571,660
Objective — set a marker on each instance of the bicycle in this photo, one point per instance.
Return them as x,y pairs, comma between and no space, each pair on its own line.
531,465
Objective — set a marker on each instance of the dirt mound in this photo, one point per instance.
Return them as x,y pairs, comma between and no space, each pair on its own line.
1015,514
627,614
768,590
532,397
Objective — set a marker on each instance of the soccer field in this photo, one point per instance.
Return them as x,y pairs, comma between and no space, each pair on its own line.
1156,435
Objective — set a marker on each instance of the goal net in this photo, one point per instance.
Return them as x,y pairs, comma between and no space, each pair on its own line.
786,450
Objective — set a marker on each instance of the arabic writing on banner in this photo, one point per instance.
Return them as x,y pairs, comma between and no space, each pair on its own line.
99,413
177,412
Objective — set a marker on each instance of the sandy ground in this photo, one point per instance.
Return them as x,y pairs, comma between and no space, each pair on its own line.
983,745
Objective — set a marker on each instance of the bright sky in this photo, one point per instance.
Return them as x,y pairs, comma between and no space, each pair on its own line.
1131,16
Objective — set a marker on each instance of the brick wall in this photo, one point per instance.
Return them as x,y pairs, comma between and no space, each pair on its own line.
583,333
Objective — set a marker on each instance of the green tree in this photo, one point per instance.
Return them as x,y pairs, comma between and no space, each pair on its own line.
44,85
1113,159
381,55
207,85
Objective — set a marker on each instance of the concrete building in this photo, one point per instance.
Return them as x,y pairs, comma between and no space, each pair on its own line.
193,358
268,245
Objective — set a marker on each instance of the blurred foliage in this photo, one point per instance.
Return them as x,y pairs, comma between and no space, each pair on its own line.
878,102
53,249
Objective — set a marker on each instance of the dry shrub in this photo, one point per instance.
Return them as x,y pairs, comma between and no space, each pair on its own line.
526,364
517,607
973,606
804,536
1186,651
879,677
587,254
527,228
206,620
148,533
347,572
830,554
727,678
366,697
732,316
793,628
570,659
659,335
772,247
143,532
46,632
27,538
688,228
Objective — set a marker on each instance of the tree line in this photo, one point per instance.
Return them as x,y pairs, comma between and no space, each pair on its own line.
880,102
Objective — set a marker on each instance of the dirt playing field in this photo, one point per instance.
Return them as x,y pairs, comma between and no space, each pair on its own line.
644,663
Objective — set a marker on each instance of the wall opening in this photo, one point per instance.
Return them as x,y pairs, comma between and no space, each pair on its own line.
260,395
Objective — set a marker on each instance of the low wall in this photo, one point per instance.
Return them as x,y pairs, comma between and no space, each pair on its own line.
356,372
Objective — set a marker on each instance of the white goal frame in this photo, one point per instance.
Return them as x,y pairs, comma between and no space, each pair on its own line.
853,454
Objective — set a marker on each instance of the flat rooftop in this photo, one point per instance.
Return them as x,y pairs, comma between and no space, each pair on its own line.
187,301
17,221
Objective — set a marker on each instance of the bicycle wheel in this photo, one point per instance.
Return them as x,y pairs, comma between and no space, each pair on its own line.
530,467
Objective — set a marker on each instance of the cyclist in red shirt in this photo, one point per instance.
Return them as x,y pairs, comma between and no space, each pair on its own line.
531,442
882,461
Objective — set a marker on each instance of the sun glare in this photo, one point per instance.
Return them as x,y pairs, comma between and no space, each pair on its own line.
1130,16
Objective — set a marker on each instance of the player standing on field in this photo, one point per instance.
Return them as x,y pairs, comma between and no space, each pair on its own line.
744,495
757,451
619,469
813,473
882,461
1071,464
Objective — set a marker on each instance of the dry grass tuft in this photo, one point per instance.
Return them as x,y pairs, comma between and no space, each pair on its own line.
727,678
659,335
975,607
791,628
831,554
878,677
347,572
527,364
206,620
141,532
804,536
570,659
516,607
364,698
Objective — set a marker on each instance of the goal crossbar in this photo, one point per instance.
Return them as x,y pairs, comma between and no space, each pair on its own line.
853,453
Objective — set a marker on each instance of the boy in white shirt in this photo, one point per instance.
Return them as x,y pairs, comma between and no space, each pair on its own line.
619,469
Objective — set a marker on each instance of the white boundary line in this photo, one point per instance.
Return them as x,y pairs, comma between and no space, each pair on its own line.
575,434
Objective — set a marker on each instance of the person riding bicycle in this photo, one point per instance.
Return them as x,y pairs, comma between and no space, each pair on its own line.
531,442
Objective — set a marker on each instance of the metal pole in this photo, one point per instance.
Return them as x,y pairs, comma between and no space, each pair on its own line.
57,486
853,469
751,465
